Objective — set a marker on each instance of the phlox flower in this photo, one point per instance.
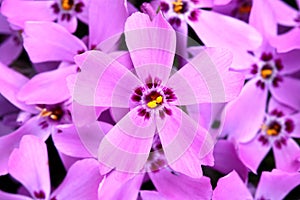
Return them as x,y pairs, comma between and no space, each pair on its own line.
273,185
153,97
29,164
278,128
40,114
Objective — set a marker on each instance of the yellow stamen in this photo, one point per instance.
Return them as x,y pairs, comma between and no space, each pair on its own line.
45,113
155,102
67,4
177,6
54,117
266,73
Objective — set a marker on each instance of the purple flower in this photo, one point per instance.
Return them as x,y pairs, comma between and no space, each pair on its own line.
153,97
29,164
277,129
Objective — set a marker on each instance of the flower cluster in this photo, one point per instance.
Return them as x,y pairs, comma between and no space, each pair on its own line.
161,99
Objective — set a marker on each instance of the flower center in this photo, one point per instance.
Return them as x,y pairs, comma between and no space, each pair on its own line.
153,97
179,6
156,99
266,71
273,129
54,114
67,4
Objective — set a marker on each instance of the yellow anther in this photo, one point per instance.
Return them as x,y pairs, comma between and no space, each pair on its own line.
177,6
272,132
266,73
159,99
54,117
45,113
67,4
152,104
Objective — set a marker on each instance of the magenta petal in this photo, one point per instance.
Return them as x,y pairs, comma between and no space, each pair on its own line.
99,32
4,25
296,120
29,165
287,157
48,41
10,49
184,141
287,41
70,25
262,18
153,54
252,153
82,182
127,145
284,14
67,141
290,61
119,185
276,184
223,152
249,115
103,81
54,86
11,82
8,196
211,24
67,161
231,187
221,2
206,78
150,195
35,11
11,141
286,92
180,186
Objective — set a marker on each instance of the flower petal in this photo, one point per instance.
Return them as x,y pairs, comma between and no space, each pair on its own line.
11,141
248,114
150,195
35,11
206,78
103,81
10,49
179,186
81,182
184,141
287,41
48,41
287,157
11,82
156,46
290,61
67,141
231,187
276,184
107,29
8,196
211,24
29,164
119,185
54,87
252,153
127,145
286,92
223,152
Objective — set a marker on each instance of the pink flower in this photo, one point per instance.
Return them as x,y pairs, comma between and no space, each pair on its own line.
153,97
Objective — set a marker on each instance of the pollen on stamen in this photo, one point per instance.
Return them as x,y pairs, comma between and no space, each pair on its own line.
266,71
67,4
